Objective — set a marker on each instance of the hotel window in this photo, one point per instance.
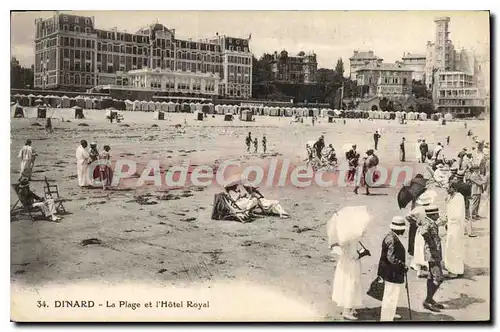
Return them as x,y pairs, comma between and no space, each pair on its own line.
87,30
77,66
65,18
77,42
230,48
65,27
77,20
77,29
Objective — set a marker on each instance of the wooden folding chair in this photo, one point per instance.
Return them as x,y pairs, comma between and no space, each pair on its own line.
29,209
52,191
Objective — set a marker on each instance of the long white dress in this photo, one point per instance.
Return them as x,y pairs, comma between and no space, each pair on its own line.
82,158
347,289
27,155
417,152
418,255
454,248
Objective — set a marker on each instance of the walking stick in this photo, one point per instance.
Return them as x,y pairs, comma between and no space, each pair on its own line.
407,294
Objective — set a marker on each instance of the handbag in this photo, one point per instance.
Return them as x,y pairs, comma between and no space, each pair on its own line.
376,289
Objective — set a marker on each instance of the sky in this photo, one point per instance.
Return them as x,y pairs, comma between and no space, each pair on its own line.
330,34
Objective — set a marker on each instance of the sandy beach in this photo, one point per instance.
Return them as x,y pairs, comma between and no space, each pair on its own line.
175,242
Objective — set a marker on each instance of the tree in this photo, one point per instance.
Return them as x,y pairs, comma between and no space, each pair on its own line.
339,68
20,77
424,105
383,104
420,90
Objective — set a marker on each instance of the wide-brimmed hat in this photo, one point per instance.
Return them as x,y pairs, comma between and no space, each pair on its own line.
24,183
398,223
431,210
440,166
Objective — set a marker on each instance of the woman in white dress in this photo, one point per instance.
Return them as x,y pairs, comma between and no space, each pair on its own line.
347,289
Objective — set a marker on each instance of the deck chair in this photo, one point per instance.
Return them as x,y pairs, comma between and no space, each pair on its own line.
225,209
21,208
52,191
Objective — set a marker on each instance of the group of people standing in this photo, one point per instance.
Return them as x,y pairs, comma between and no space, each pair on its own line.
101,171
249,141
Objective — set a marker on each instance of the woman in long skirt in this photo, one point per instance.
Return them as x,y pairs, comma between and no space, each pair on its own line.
347,288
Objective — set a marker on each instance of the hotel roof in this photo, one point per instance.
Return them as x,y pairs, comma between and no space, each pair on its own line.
384,67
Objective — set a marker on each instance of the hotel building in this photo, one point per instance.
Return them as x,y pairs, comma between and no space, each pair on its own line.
361,59
389,80
71,54
415,62
299,69
453,76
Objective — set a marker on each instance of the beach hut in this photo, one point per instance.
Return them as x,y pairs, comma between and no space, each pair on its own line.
129,106
31,99
136,105
423,116
185,108
78,112
38,102
87,102
18,111
65,102
448,116
164,106
198,115
159,115
217,109
79,101
41,112
246,115
144,106
95,103
228,117
171,107
157,106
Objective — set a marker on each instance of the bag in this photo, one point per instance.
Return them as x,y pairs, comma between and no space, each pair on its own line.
376,289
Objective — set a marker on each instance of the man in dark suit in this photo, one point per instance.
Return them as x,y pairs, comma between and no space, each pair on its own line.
392,269
424,149
376,137
402,151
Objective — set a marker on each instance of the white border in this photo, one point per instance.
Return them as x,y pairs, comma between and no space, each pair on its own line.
184,5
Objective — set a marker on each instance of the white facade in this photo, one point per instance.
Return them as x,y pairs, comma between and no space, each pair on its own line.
163,80
417,63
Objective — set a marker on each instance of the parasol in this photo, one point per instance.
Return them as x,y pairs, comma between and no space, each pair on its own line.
347,225
411,192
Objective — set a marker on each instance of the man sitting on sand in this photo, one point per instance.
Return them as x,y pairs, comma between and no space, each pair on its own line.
29,198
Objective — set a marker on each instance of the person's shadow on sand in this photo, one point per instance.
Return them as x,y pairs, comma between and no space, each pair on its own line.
373,314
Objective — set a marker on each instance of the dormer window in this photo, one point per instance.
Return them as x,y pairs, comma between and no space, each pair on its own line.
77,20
65,18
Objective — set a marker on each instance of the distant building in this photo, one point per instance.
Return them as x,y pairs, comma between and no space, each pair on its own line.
299,69
384,80
360,59
71,54
454,77
415,62
457,93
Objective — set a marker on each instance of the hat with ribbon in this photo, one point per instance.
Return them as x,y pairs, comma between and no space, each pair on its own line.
431,210
398,223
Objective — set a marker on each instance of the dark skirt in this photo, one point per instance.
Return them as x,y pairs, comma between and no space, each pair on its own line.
412,232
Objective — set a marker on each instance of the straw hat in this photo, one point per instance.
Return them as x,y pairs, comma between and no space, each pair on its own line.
398,223
431,210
